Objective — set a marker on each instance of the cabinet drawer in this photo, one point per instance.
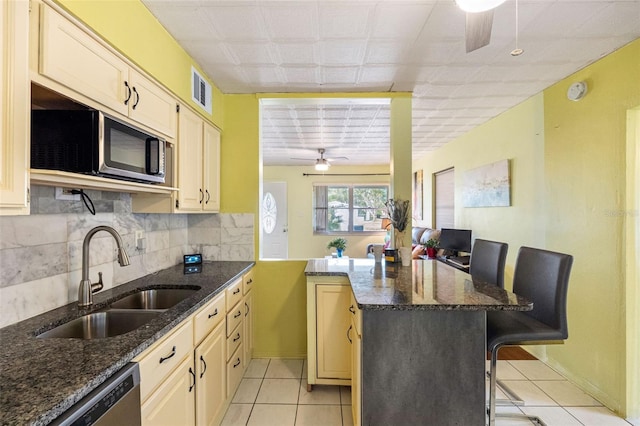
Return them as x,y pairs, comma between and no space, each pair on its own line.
208,317
234,317
234,340
247,282
158,362
356,315
234,294
234,372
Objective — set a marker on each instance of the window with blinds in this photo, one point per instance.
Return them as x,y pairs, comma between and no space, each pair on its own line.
444,199
348,208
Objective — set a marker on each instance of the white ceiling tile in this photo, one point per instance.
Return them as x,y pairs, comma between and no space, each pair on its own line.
344,21
400,45
236,22
342,52
291,22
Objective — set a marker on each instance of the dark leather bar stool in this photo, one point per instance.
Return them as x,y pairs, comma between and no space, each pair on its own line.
487,261
542,277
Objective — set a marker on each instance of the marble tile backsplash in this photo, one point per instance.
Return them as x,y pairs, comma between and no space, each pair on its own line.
41,254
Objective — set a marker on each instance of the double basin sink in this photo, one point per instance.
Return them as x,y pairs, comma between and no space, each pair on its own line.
121,316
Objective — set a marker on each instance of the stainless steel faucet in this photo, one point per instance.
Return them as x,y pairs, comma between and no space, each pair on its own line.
86,289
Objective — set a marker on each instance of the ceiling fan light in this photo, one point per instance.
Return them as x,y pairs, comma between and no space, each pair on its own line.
475,6
322,165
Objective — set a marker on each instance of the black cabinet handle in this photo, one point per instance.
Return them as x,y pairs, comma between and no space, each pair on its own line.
236,291
247,309
238,314
348,332
204,368
235,339
208,196
250,281
137,98
194,379
237,363
126,101
201,195
353,311
214,313
171,355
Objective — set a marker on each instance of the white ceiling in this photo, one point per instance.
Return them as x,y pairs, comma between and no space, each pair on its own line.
417,46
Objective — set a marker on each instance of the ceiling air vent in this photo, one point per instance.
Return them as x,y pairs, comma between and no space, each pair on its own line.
200,90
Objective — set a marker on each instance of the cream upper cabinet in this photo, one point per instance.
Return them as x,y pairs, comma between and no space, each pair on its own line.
190,137
15,108
198,164
328,322
211,169
75,59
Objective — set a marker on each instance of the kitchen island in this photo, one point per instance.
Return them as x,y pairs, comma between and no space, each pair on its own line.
423,345
41,378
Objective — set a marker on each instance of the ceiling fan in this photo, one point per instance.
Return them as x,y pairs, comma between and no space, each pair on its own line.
322,164
479,21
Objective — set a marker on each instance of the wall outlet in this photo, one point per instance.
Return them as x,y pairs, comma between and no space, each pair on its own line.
141,241
65,194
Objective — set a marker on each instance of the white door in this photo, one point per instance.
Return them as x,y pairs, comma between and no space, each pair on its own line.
274,220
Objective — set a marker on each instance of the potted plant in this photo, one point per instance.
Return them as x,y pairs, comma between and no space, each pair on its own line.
432,247
340,244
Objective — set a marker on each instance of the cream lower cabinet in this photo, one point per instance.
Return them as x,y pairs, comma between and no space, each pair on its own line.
211,374
14,107
328,322
172,403
185,376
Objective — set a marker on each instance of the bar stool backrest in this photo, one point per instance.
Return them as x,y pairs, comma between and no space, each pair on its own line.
487,261
542,276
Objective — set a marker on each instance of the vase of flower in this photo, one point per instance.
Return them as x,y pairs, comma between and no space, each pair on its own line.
398,211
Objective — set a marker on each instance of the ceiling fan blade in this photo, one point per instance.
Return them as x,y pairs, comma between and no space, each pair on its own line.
303,159
478,30
337,158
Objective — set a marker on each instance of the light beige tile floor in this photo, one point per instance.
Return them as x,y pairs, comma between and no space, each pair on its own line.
273,393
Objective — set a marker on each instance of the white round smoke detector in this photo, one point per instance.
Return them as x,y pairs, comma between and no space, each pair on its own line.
577,91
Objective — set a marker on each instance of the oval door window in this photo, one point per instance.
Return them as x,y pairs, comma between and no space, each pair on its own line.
269,213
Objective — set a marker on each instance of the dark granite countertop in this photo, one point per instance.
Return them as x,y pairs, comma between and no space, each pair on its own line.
41,378
425,285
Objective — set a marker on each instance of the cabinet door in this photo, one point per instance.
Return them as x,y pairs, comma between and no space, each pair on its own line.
248,329
211,168
212,377
151,105
14,109
333,348
189,145
71,57
356,373
173,403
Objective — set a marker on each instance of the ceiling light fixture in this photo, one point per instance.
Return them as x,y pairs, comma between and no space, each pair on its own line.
475,6
322,165
517,51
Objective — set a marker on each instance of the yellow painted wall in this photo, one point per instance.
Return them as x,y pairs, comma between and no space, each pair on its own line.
585,146
516,135
568,194
136,33
303,244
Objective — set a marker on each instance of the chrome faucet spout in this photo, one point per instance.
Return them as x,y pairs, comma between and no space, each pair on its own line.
86,288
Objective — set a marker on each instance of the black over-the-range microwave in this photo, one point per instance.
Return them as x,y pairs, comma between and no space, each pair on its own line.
91,142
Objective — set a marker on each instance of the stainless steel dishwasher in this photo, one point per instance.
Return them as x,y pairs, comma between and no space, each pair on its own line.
115,402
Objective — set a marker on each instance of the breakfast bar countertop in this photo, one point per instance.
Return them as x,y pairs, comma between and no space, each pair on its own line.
41,378
425,285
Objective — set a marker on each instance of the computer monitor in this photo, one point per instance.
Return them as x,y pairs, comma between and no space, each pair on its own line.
456,240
